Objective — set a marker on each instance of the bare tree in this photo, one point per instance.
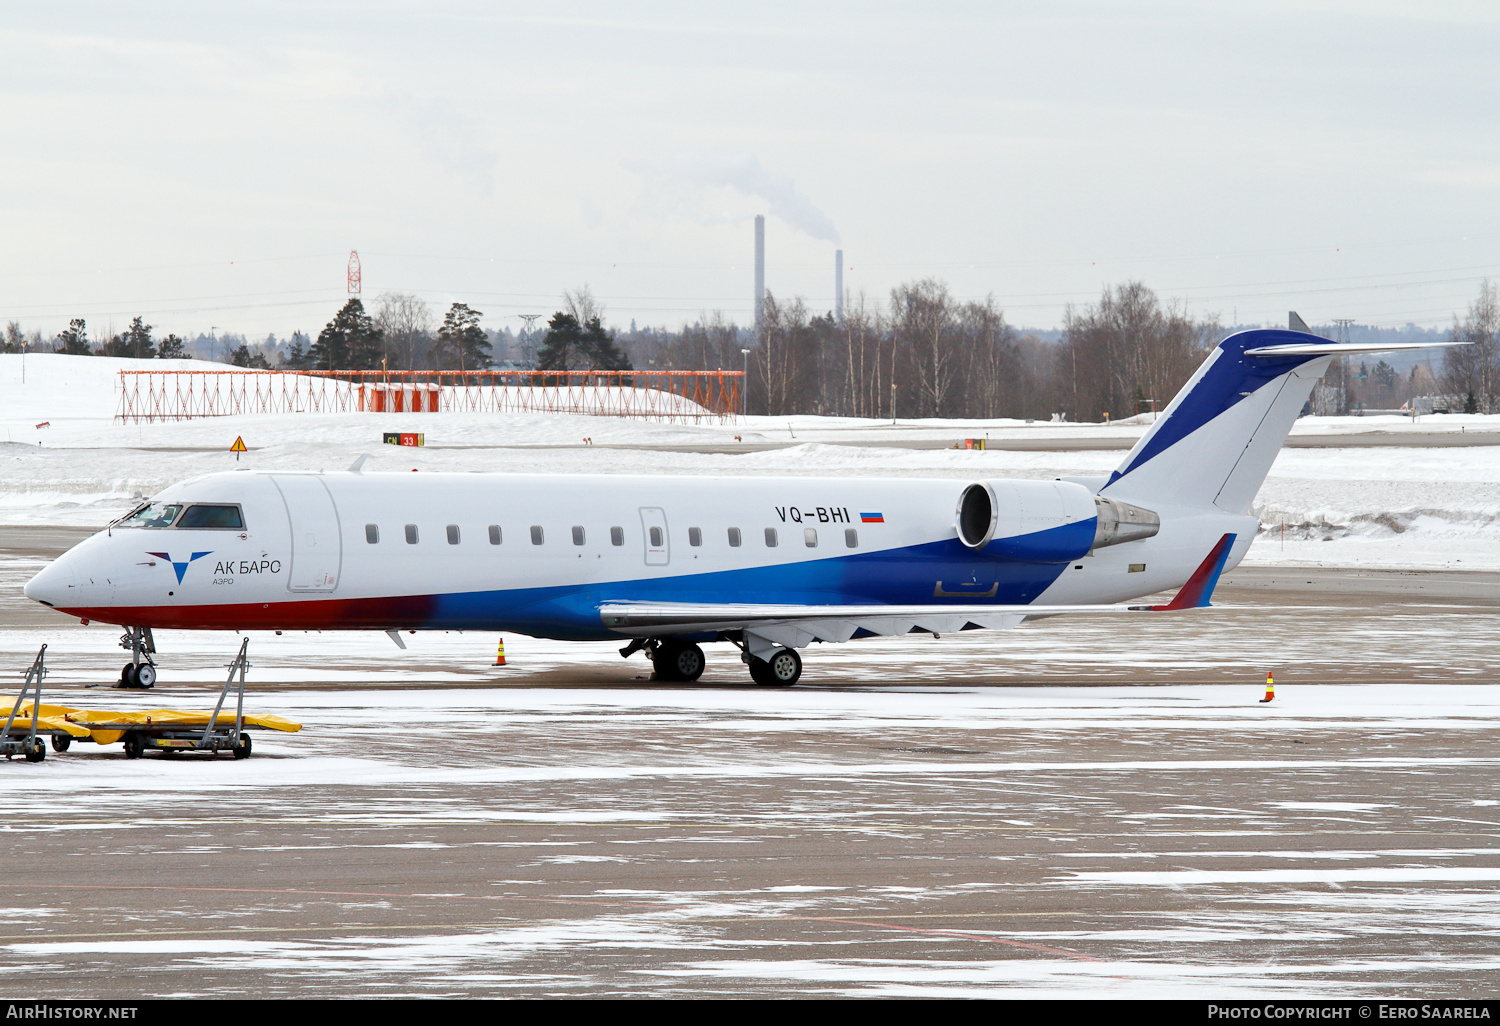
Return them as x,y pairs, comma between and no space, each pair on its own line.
863,329
922,320
1127,349
582,305
782,334
1471,371
406,321
990,346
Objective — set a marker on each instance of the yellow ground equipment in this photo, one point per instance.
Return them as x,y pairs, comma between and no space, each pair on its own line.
30,745
167,730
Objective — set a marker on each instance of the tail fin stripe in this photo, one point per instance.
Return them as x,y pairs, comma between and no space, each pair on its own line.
1195,594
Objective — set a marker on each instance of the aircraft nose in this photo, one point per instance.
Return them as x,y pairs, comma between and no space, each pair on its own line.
50,587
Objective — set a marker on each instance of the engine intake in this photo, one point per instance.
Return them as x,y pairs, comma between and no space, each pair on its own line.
1043,521
976,516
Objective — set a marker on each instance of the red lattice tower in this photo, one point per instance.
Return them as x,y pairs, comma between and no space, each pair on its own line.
354,278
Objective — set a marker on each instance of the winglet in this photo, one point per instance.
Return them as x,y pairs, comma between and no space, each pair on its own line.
1200,587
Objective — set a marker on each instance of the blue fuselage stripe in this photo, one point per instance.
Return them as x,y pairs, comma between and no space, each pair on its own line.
900,576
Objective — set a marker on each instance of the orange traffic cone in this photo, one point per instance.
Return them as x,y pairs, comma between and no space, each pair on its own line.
1270,689
500,655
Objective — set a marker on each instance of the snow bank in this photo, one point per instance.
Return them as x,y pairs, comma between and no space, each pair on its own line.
1409,505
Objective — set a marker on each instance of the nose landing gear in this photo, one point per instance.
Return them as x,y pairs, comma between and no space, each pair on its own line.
140,672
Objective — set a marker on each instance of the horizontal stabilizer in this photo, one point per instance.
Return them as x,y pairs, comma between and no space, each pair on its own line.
1345,348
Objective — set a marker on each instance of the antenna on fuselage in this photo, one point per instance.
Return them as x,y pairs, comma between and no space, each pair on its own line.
360,462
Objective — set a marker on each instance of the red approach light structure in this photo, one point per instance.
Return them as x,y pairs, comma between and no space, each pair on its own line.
673,397
354,278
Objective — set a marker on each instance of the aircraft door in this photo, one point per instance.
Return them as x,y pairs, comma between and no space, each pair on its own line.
654,525
317,549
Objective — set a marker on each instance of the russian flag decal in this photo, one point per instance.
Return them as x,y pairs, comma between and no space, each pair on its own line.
871,518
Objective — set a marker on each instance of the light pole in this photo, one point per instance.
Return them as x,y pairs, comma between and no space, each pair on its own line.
213,344
745,381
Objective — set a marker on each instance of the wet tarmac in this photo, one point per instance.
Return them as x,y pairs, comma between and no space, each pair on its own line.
1063,809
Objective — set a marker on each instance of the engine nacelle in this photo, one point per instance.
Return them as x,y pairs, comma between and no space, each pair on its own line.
1121,522
1040,521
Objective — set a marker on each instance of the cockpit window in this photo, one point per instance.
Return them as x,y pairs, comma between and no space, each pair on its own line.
155,514
202,516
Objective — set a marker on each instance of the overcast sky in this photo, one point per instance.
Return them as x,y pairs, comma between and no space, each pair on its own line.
204,167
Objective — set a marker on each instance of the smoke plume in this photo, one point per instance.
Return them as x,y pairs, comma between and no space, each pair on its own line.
744,174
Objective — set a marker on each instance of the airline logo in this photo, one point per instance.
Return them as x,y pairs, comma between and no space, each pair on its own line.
181,568
872,518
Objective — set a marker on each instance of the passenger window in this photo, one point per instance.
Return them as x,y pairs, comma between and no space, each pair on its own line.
411,534
617,536
770,537
577,536
452,534
372,534
810,537
536,534
851,538
494,534
734,537
656,537
220,517
695,536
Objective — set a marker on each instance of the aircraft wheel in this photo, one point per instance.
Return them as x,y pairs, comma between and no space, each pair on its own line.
37,752
243,750
678,661
782,670
133,746
61,742
127,676
145,676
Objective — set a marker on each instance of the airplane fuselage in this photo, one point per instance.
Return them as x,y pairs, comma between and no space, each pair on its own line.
540,554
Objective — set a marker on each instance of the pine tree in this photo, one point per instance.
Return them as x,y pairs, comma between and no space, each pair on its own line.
74,341
348,342
295,356
569,345
134,343
170,348
461,340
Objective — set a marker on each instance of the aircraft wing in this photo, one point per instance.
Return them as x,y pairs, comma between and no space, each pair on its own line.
767,626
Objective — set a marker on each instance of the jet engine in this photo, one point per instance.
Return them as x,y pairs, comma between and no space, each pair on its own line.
1046,521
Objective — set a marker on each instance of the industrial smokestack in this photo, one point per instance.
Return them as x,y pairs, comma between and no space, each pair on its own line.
838,287
760,271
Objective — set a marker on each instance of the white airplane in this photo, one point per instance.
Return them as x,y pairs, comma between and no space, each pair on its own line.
767,564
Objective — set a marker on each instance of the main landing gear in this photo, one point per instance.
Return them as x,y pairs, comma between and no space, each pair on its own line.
782,670
682,661
140,672
671,658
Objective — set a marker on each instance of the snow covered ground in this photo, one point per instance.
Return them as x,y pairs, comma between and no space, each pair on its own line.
1418,505
902,841
433,831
